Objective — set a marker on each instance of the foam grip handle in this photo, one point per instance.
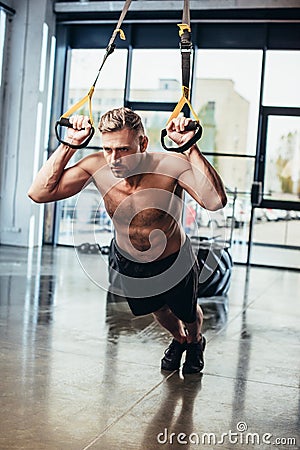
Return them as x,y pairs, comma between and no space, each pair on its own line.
194,125
191,126
64,122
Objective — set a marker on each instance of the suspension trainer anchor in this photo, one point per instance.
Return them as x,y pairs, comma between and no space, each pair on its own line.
186,49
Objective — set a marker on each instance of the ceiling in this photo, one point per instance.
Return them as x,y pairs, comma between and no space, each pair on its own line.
149,10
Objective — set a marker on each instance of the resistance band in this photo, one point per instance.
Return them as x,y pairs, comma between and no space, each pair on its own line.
186,50
64,119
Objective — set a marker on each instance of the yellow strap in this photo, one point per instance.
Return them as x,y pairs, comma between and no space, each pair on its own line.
185,99
183,27
122,34
89,95
87,98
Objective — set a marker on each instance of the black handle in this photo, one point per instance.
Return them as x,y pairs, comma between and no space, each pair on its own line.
64,122
191,126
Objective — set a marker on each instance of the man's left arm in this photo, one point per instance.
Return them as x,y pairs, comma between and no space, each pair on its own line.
198,178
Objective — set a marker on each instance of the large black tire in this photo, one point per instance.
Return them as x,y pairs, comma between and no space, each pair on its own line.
215,270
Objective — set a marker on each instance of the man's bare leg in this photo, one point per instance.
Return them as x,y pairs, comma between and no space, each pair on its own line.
172,357
194,360
187,337
194,328
170,322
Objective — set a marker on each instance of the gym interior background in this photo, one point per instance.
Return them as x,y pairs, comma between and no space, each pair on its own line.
71,358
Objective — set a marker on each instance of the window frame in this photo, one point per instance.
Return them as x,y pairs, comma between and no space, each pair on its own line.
256,35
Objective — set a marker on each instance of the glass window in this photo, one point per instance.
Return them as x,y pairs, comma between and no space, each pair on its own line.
229,225
155,76
233,221
226,98
282,176
81,218
276,238
236,172
154,122
2,40
282,76
109,92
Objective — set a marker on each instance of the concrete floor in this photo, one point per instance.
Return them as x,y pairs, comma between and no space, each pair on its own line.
80,372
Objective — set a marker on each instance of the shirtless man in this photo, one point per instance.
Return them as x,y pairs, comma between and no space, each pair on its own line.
142,193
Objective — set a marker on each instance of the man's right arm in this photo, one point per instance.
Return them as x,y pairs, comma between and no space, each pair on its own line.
54,181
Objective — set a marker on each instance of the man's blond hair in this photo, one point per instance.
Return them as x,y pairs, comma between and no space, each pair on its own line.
119,118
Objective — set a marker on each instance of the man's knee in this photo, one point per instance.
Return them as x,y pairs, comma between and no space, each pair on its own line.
199,313
163,311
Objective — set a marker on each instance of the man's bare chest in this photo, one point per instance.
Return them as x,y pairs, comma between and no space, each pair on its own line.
144,205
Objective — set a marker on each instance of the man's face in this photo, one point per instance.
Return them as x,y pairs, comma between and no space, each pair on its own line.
122,151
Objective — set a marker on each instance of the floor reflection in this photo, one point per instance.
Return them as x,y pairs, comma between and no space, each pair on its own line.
243,362
173,418
215,311
78,367
118,314
120,319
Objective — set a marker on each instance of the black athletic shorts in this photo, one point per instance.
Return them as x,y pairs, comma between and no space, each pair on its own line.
176,288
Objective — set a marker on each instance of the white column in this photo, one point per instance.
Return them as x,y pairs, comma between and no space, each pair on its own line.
25,124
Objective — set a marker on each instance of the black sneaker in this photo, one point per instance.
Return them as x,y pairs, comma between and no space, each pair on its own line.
173,354
194,361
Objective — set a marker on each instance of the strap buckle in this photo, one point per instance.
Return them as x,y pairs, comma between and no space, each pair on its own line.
183,27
